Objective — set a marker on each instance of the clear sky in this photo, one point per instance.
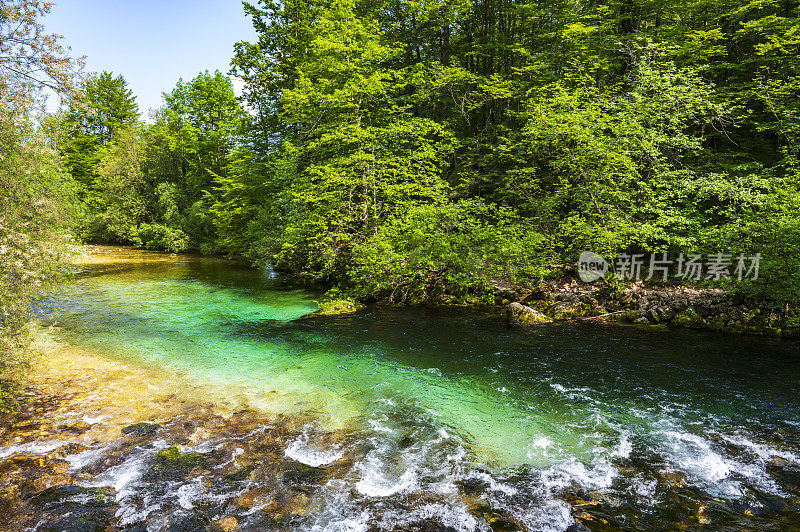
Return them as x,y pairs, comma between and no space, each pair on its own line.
151,43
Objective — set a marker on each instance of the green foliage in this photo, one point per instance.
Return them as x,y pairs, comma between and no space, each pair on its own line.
365,175
773,231
163,237
454,246
101,108
245,210
417,150
153,185
546,129
203,120
605,171
37,201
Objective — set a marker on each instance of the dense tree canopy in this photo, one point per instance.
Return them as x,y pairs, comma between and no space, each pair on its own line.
622,126
102,106
414,150
153,185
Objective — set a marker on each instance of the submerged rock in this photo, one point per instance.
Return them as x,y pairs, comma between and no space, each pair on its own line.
472,486
519,313
225,524
301,475
140,429
74,508
23,475
93,497
425,526
76,427
172,464
91,523
578,527
497,520
188,523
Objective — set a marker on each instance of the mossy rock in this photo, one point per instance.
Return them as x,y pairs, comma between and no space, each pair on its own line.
629,316
734,327
717,323
172,464
80,509
415,296
97,522
539,304
689,318
94,497
653,316
336,307
519,313
566,311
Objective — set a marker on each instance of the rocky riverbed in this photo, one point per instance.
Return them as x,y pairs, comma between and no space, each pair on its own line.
102,445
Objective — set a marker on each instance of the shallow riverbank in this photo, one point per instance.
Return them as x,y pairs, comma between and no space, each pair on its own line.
100,444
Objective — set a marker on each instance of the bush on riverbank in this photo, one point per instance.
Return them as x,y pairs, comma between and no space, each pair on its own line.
35,245
37,199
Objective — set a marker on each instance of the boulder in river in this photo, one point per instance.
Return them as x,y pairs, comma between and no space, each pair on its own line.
172,464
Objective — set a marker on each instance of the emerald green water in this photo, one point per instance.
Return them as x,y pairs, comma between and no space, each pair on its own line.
432,398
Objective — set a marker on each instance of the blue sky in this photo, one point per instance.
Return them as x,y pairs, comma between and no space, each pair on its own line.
151,43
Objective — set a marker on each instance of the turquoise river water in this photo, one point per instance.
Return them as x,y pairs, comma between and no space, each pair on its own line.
655,427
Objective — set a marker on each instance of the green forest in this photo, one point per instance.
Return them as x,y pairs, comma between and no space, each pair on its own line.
402,149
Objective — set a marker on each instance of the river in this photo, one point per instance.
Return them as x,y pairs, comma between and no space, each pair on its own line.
450,417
